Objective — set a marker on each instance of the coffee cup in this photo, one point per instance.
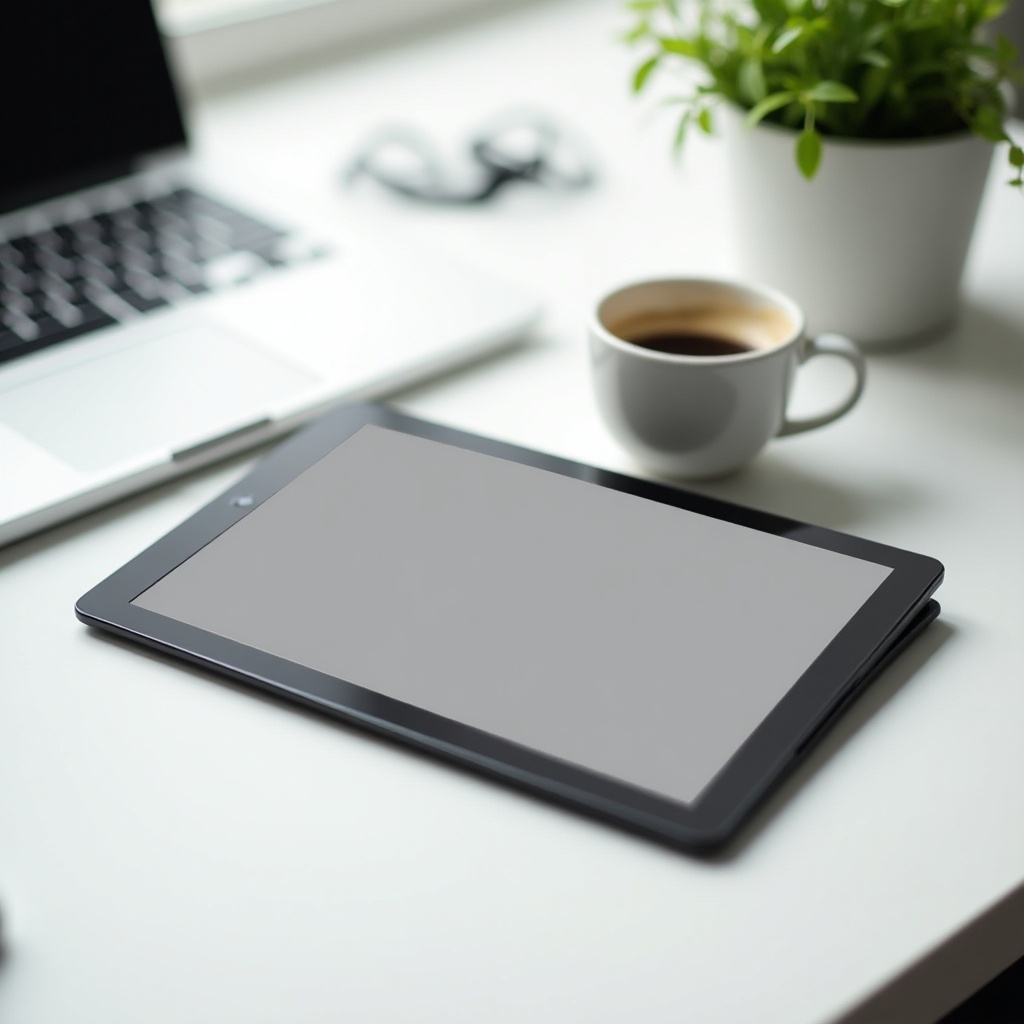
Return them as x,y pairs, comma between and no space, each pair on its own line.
693,375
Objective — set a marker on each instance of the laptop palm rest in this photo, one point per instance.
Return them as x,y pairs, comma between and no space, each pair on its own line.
107,411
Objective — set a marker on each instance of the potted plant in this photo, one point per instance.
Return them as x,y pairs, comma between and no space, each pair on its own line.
861,134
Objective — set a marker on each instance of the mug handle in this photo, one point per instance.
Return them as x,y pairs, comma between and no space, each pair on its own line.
830,345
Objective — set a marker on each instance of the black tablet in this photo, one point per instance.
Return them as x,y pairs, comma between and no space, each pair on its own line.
637,651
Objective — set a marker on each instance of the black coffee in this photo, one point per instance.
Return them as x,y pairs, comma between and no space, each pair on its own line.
678,343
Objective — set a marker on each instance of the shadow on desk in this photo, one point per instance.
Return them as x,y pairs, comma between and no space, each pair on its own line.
869,703
979,355
981,345
877,693
777,485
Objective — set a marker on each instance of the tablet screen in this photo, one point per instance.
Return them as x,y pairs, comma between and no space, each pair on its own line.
636,639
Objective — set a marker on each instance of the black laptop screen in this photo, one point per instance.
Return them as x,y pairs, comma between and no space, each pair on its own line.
84,88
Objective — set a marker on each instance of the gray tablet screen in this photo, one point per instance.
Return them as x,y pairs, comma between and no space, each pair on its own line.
638,640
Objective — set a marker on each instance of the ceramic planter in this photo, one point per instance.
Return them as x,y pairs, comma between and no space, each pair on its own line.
874,247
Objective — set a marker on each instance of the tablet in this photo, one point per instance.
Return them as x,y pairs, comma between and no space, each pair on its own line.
637,651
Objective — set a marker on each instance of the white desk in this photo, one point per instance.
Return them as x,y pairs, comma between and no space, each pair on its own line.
174,849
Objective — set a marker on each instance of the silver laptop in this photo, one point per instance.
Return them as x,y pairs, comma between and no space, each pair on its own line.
149,323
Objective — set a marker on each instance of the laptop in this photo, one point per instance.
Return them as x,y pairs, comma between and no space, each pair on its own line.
149,321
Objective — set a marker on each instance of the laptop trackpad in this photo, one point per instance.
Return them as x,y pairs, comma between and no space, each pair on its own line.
176,390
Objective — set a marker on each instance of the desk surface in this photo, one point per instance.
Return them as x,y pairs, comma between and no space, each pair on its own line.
174,848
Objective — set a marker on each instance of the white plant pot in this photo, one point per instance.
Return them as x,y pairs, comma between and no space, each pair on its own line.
874,246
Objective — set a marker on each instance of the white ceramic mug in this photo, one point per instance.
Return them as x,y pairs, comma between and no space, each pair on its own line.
704,415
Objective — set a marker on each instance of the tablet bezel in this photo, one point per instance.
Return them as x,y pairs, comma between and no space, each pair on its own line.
839,671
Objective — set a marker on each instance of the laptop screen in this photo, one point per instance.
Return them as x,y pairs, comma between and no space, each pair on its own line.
85,90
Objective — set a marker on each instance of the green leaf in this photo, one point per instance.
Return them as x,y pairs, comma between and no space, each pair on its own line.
808,153
989,125
644,72
746,39
1006,52
751,81
875,58
1016,157
787,37
859,68
982,51
830,92
682,47
876,34
636,33
770,11
704,120
769,104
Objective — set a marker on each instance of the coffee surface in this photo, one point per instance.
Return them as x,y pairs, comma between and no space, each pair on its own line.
718,329
679,344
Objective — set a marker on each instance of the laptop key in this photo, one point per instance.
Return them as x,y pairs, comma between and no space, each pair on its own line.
97,274
54,285
10,257
142,303
47,324
234,268
90,315
64,313
208,249
24,327
100,269
13,344
137,261
181,270
15,300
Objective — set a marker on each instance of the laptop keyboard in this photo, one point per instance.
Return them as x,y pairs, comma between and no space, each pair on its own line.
110,267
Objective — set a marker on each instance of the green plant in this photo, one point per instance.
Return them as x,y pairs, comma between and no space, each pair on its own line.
865,69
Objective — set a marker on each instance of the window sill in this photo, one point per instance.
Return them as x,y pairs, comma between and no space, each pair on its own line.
226,41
